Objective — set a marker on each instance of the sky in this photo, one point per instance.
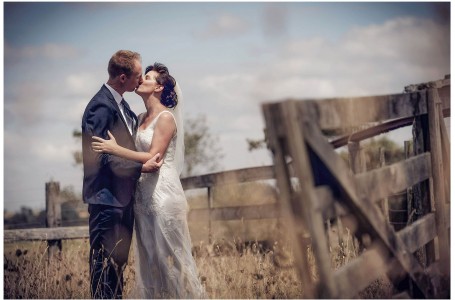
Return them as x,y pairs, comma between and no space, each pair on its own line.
228,58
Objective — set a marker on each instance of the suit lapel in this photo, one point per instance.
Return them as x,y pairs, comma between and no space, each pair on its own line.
110,97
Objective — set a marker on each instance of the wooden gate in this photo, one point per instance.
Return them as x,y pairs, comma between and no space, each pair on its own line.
327,188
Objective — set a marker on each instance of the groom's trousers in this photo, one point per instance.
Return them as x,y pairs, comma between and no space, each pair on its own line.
111,230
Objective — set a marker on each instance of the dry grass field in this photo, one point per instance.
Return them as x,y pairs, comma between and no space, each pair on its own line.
228,269
233,265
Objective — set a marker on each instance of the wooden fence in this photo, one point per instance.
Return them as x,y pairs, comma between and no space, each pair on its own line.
54,233
329,189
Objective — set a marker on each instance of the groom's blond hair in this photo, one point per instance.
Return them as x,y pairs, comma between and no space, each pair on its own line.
122,62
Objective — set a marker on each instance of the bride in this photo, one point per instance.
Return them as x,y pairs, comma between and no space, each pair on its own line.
165,267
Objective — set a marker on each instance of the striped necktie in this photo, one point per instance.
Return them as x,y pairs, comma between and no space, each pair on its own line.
128,115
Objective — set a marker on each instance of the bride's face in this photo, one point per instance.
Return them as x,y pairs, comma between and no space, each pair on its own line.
149,84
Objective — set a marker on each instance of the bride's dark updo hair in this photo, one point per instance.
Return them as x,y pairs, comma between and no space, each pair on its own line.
168,96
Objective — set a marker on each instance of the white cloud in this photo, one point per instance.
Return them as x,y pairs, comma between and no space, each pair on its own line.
380,58
22,103
82,83
407,39
377,59
32,147
55,151
229,91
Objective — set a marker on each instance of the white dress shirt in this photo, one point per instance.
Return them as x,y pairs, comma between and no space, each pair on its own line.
118,98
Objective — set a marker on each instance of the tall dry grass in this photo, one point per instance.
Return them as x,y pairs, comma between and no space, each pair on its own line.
228,269
225,270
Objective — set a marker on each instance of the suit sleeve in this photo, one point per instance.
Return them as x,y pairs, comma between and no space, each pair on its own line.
98,121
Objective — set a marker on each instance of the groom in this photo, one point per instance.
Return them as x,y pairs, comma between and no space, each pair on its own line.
110,181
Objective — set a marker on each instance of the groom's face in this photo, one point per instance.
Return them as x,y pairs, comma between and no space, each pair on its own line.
135,79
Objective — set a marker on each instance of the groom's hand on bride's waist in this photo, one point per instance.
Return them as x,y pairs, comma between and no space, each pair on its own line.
153,164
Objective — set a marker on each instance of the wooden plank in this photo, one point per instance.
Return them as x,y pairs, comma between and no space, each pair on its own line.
445,144
369,215
275,135
434,105
251,212
383,127
364,134
393,178
444,95
43,234
228,177
336,113
419,233
307,198
355,276
333,114
358,274
421,191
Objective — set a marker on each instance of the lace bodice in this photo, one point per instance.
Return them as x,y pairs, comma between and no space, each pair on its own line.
144,140
154,187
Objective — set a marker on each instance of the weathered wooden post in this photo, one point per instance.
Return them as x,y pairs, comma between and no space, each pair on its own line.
437,168
384,202
357,164
210,206
410,208
53,217
356,158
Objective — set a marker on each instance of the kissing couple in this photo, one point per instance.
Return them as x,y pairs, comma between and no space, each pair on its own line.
132,169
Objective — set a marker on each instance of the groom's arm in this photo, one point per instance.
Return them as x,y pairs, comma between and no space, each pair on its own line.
99,120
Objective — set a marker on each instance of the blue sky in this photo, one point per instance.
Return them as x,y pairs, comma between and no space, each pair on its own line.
228,58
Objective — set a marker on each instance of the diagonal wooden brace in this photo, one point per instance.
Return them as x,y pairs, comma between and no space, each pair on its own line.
370,214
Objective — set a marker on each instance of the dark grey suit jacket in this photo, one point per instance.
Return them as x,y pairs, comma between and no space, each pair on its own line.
108,179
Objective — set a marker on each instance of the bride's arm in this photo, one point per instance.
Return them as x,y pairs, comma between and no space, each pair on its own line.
164,131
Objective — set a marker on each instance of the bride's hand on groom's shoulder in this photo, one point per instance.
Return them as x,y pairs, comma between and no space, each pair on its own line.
106,146
153,164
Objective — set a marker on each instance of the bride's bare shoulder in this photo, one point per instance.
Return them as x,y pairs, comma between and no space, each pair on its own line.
166,119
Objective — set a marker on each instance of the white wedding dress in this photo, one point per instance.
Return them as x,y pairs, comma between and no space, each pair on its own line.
165,267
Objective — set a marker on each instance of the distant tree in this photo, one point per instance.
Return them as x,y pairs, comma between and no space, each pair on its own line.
71,204
392,152
201,147
25,218
77,155
202,152
255,144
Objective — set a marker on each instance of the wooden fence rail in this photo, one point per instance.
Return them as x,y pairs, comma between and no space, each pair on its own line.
329,189
208,181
